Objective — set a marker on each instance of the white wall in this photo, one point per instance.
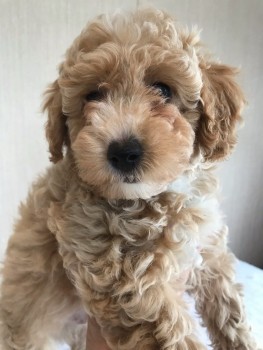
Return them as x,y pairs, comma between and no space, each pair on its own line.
34,36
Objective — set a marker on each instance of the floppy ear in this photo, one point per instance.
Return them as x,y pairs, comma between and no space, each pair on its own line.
56,129
222,102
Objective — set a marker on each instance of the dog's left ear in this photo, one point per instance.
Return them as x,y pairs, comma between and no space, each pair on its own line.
56,129
222,101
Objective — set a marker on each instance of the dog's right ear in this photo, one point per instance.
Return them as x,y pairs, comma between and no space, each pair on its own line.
222,103
56,129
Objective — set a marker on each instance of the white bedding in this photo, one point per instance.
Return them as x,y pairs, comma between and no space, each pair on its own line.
252,279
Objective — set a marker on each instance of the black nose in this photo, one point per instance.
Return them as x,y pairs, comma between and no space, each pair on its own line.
125,155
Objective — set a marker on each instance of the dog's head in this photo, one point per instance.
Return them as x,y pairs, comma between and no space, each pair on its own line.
136,101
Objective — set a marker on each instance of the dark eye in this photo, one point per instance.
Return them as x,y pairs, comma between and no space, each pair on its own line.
95,95
163,90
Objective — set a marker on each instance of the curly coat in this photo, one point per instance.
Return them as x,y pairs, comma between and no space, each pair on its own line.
118,246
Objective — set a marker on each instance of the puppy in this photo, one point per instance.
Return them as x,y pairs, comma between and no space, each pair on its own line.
127,217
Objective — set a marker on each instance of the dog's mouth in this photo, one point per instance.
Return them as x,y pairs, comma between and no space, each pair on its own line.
131,179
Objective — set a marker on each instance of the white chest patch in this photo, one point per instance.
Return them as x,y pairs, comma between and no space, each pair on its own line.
198,219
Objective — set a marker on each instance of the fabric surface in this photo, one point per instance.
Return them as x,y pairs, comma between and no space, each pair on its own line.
252,279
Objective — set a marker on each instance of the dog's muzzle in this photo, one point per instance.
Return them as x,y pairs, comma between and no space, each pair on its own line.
125,155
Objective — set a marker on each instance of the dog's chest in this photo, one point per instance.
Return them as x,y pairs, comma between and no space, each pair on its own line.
174,225
196,219
166,233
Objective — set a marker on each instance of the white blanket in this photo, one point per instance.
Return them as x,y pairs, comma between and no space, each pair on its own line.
252,279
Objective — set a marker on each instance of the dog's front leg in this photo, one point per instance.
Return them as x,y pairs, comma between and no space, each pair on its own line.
219,300
137,313
156,319
126,288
